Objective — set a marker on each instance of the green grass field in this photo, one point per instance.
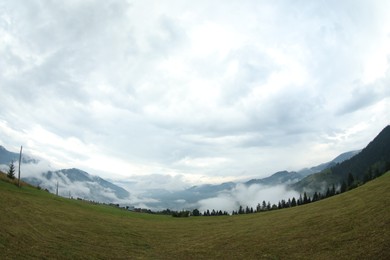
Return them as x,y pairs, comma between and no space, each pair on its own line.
353,225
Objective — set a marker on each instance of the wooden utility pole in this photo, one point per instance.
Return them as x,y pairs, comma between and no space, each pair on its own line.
57,189
20,162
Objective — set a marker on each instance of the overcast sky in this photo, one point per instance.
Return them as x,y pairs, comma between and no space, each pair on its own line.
203,91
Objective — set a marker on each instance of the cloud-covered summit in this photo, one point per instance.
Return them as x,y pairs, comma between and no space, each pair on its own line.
206,90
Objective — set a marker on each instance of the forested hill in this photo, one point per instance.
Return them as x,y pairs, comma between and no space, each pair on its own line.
371,162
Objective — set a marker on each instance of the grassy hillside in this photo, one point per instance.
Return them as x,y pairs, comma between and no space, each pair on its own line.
36,224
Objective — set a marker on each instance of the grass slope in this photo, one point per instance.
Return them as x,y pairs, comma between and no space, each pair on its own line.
36,224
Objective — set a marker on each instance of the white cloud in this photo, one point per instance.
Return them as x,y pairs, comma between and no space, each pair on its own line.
210,91
250,196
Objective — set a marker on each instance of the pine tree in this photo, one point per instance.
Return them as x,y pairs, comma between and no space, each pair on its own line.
327,193
333,190
258,208
264,205
196,212
315,196
11,170
293,202
300,200
305,199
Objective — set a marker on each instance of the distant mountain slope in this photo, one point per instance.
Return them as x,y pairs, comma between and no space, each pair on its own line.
373,159
282,177
286,177
6,157
71,182
78,183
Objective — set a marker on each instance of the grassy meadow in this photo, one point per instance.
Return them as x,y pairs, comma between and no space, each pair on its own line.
37,224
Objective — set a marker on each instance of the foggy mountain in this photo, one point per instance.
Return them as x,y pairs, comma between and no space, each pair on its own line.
71,182
79,184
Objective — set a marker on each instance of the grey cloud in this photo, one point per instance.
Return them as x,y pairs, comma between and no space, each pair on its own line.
51,25
123,77
361,96
254,67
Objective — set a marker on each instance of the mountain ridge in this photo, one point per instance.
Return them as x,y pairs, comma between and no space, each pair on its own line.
80,184
372,160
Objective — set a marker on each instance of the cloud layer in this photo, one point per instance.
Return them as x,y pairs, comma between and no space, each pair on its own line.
204,91
244,196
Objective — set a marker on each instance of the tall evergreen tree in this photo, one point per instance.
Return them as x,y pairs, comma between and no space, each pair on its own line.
195,212
315,196
264,205
293,202
258,208
300,200
333,191
327,193
305,200
11,170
